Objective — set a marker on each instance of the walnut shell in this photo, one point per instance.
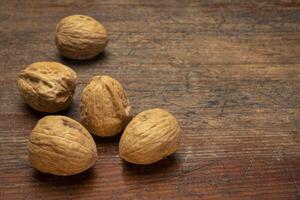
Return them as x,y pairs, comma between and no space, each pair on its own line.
149,137
80,37
104,106
47,86
60,145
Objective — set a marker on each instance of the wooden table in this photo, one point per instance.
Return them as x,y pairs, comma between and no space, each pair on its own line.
228,70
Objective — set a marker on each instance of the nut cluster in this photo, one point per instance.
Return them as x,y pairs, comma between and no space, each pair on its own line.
62,146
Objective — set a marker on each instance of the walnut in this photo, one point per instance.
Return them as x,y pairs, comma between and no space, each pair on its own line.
80,37
61,146
47,86
104,106
149,137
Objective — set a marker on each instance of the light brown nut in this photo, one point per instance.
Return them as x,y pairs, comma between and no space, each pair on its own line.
149,137
104,106
80,37
60,145
47,86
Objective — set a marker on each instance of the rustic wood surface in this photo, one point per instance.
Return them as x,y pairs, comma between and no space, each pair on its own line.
228,70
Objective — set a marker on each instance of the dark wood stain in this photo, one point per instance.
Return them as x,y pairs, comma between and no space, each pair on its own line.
228,70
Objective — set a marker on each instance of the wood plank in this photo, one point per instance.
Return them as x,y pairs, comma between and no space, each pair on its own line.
228,70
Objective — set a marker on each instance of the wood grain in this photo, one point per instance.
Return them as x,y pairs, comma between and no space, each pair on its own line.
228,70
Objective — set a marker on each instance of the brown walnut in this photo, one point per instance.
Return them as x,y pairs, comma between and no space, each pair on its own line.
47,86
149,137
104,106
80,37
60,145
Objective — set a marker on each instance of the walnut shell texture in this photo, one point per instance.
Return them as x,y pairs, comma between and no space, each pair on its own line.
104,106
60,145
47,86
80,37
149,137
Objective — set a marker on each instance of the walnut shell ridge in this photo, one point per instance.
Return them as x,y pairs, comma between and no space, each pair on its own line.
80,37
104,107
149,137
60,145
47,86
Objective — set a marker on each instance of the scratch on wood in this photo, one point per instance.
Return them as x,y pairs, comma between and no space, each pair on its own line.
295,183
222,21
188,81
223,108
212,163
290,173
248,167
